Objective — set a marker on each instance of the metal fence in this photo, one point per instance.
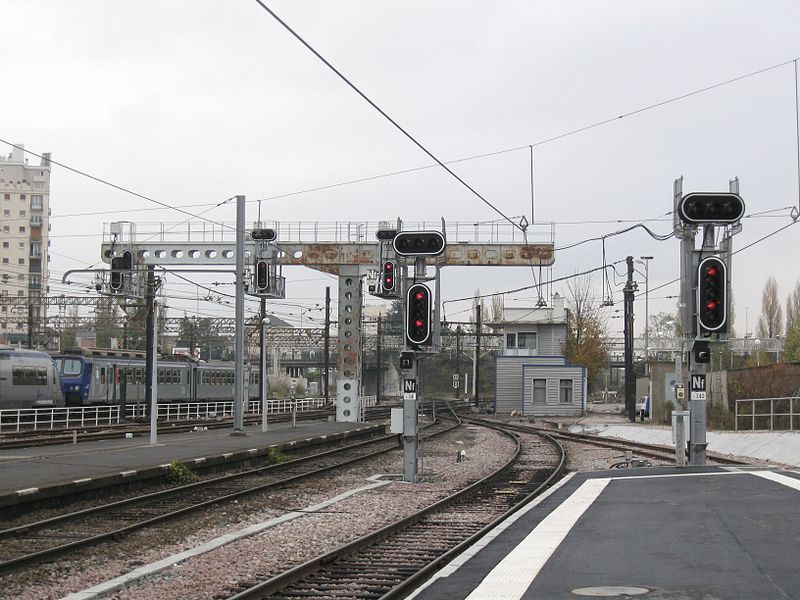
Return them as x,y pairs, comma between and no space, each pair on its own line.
773,414
47,419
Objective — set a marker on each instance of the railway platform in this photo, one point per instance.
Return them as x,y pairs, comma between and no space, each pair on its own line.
48,472
665,532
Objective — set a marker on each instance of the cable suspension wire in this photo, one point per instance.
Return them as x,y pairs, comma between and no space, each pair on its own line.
382,112
797,136
529,287
110,184
164,206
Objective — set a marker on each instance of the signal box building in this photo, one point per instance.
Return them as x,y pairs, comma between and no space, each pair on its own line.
532,376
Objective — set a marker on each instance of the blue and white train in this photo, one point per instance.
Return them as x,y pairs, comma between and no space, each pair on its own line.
95,376
28,379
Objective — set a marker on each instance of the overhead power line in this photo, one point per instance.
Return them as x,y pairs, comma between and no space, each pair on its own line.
383,113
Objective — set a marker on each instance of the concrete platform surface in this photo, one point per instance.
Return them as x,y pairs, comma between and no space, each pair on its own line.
49,471
699,533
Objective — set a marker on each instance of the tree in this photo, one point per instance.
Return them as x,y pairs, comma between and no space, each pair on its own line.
105,322
791,349
497,308
476,302
585,330
770,323
664,325
793,307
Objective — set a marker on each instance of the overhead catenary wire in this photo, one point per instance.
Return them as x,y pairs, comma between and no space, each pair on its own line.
382,112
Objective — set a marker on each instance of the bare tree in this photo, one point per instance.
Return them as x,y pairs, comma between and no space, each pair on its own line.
770,323
793,307
585,329
477,301
497,308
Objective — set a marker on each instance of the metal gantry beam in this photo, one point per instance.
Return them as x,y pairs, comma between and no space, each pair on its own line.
345,249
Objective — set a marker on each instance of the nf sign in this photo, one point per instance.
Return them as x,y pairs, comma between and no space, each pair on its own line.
698,387
409,389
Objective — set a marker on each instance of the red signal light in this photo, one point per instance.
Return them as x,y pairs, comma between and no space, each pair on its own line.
418,315
387,276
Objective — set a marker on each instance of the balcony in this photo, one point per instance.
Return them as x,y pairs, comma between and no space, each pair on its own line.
36,220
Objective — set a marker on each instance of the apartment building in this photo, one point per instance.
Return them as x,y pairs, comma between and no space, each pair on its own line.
24,241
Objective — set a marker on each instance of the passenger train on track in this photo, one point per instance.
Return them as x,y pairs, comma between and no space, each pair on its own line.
28,379
94,376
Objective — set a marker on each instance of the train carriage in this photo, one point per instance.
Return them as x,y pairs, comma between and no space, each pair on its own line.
28,379
97,376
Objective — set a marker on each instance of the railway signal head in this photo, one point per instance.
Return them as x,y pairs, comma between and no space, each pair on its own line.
712,295
418,315
262,276
119,265
706,208
263,235
418,243
388,276
406,360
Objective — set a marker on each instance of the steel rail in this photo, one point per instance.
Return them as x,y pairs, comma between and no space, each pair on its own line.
279,583
27,529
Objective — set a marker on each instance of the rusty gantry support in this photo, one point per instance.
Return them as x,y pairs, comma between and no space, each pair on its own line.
345,249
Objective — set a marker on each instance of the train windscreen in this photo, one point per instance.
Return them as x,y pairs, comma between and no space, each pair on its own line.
69,366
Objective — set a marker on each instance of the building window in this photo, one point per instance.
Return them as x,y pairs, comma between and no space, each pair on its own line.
5,245
20,293
22,261
23,197
5,260
36,202
526,340
22,245
565,391
23,213
523,340
539,391
6,196
5,229
7,212
22,229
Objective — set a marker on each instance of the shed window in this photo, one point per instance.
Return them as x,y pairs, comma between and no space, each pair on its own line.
565,391
539,391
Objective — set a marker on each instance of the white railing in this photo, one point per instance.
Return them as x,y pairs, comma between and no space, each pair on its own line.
763,411
496,231
41,419
47,419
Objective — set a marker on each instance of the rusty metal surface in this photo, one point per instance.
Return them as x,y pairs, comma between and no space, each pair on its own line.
330,256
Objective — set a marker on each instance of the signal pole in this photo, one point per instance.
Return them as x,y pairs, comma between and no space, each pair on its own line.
238,368
630,381
476,377
705,303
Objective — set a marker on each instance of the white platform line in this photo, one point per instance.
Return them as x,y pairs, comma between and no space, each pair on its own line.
514,574
462,558
778,478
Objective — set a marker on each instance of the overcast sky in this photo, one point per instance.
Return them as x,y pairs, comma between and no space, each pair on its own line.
192,102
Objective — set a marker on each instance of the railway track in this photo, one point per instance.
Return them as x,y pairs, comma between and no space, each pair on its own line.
393,560
656,451
33,541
